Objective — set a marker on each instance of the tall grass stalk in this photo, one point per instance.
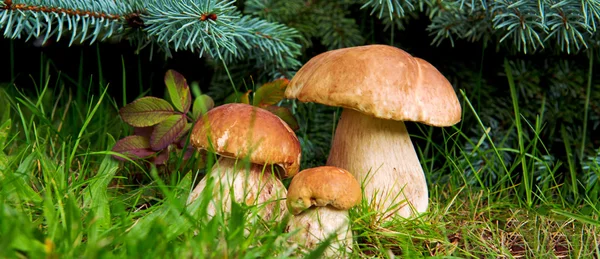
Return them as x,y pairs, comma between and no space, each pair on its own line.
586,107
527,178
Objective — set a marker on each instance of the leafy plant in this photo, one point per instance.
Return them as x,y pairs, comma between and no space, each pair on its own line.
267,96
161,126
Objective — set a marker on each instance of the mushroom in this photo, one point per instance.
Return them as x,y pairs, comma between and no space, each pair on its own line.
319,199
237,132
379,87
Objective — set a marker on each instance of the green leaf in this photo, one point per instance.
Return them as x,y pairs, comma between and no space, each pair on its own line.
270,93
245,98
4,130
195,87
167,131
202,104
17,183
3,162
95,196
134,147
179,92
146,111
285,114
4,105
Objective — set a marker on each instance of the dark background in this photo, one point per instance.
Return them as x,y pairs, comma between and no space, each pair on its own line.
414,39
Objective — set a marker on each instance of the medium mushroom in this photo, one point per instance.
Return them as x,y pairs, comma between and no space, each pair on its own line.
238,133
379,88
319,199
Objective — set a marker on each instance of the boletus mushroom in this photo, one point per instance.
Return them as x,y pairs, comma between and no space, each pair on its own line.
379,87
319,199
238,133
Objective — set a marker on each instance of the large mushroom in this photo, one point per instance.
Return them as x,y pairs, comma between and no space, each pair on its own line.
379,88
241,133
319,199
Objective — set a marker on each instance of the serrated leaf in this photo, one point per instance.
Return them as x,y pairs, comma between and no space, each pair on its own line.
202,104
183,133
285,114
179,91
143,131
134,147
146,111
167,131
270,93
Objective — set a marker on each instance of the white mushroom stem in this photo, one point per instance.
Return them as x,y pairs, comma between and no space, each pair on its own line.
253,186
380,154
316,225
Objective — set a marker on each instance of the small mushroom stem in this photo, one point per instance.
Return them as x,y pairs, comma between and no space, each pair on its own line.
381,156
316,224
253,186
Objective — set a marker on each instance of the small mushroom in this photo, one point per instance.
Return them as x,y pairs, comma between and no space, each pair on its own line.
379,88
239,132
319,199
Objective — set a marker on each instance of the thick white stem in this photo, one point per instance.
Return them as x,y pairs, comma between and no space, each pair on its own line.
255,186
316,224
380,154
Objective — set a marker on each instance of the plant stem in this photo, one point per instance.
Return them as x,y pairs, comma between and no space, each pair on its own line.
515,101
587,103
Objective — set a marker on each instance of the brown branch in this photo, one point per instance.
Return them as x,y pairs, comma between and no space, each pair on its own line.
132,19
263,35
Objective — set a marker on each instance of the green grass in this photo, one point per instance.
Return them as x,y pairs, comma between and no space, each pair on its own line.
63,196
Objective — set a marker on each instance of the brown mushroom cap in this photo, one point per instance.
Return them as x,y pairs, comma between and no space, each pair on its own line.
239,130
382,81
323,186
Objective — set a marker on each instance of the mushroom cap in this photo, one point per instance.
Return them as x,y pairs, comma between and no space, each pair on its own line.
323,186
239,130
378,80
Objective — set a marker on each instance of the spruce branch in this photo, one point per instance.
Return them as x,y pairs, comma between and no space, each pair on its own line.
213,28
390,7
566,23
81,20
187,25
521,22
591,12
267,43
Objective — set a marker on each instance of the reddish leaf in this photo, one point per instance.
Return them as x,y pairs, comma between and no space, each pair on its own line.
179,91
182,138
143,131
270,93
188,153
146,111
285,114
202,104
134,147
161,158
167,131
